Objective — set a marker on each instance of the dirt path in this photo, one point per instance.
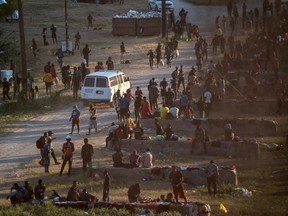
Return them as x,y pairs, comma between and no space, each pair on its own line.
18,147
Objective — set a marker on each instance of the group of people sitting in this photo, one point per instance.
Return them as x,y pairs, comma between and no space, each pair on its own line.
144,160
29,195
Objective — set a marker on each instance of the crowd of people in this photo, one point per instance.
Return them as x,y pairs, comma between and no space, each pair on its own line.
263,49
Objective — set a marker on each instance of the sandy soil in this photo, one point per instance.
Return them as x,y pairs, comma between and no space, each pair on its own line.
18,147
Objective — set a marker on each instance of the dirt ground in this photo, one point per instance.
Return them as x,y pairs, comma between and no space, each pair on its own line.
18,146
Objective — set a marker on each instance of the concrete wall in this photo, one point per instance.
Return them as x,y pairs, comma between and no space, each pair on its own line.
191,176
244,149
215,127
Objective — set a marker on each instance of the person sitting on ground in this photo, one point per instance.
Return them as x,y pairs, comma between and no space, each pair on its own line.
188,112
158,128
73,193
134,159
134,192
168,132
228,133
117,158
170,198
174,111
146,159
85,196
111,130
163,111
138,131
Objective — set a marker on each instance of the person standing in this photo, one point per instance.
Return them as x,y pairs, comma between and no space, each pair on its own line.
85,52
5,90
106,186
151,56
176,178
46,154
86,154
110,63
122,51
90,21
53,33
93,119
60,57
34,46
75,117
67,149
146,159
44,35
77,40
48,80
39,191
212,171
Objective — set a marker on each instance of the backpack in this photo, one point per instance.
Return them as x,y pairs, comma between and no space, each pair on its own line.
40,142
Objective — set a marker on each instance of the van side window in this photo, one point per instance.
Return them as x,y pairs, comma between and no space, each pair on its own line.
120,79
89,82
101,82
113,81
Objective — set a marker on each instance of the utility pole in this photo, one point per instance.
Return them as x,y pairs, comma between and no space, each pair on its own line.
164,21
66,27
22,51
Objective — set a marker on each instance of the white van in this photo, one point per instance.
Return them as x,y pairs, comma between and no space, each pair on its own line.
101,86
6,74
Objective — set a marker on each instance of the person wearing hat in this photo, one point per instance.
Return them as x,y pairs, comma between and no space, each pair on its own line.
51,147
212,171
75,117
67,149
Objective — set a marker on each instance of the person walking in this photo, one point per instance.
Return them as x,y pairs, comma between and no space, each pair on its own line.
75,117
176,178
39,191
151,56
85,52
77,40
51,147
53,33
86,154
106,186
90,21
122,51
67,149
93,119
212,171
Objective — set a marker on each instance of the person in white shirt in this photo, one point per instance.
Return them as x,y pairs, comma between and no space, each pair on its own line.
146,159
174,111
208,100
